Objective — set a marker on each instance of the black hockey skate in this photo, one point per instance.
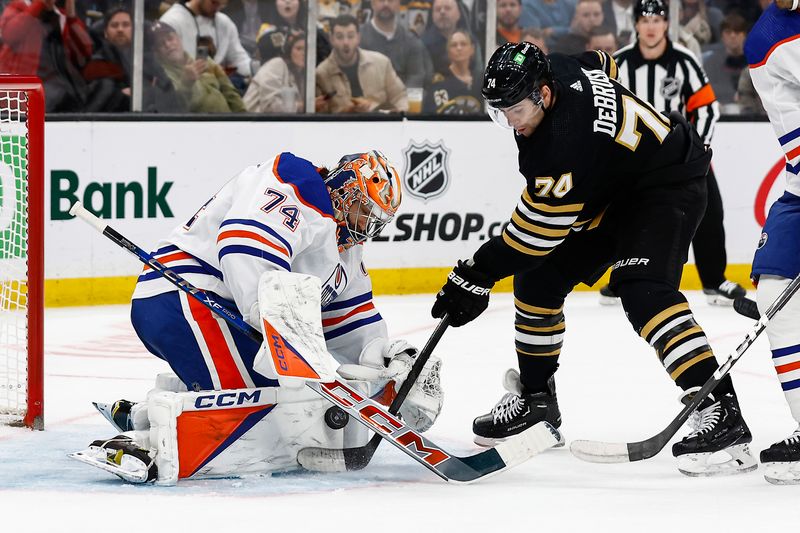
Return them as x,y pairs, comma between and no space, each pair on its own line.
516,412
725,294
607,296
118,413
782,461
120,456
717,426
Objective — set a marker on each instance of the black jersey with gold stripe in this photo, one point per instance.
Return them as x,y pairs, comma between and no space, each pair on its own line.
596,143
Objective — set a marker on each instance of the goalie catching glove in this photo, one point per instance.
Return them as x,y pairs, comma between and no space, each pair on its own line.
387,364
465,295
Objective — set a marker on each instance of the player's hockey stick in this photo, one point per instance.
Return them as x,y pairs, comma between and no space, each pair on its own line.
332,460
367,412
618,452
746,307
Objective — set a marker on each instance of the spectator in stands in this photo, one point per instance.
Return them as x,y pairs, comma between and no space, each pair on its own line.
553,16
618,16
248,16
509,29
747,97
602,38
537,37
446,17
588,16
694,20
282,17
384,34
279,85
52,43
353,80
108,72
725,60
458,92
201,84
201,27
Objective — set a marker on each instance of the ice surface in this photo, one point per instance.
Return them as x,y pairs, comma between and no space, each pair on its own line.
610,387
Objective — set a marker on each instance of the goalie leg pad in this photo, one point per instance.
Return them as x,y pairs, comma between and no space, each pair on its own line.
238,432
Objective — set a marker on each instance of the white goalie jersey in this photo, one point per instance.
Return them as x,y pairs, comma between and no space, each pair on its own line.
274,216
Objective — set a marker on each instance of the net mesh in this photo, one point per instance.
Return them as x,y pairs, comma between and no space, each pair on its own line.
13,254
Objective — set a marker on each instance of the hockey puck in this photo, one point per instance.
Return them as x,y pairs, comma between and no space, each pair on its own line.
335,418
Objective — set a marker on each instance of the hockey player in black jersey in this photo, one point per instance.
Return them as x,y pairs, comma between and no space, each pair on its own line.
671,78
610,182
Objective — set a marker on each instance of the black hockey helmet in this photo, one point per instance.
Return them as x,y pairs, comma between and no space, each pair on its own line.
515,71
650,7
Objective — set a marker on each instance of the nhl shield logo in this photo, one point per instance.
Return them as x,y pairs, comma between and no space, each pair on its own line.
670,88
426,174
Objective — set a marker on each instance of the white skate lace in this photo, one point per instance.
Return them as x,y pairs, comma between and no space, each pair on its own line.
794,438
707,420
727,287
509,406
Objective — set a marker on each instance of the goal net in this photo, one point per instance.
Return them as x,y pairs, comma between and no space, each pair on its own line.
21,238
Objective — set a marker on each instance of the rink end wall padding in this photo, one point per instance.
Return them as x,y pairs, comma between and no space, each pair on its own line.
117,290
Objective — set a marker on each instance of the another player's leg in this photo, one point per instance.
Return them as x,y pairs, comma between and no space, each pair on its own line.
782,459
539,333
709,251
660,233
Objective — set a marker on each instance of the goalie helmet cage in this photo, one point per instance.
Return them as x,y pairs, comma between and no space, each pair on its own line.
21,251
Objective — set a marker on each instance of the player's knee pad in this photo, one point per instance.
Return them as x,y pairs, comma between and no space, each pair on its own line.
240,431
784,337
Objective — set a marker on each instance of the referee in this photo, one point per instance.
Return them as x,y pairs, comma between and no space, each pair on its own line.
669,76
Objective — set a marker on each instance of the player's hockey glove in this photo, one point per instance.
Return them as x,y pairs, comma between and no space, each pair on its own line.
465,295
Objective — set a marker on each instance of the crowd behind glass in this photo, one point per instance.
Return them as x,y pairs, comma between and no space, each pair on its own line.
372,56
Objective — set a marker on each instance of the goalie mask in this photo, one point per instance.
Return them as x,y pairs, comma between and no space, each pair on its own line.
365,193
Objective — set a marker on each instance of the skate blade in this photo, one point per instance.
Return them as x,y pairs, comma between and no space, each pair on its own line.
719,301
96,457
782,473
488,442
732,460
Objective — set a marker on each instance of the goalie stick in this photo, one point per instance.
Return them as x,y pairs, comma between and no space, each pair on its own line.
618,452
332,460
445,465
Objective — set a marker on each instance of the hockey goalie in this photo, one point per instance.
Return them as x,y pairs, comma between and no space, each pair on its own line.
284,240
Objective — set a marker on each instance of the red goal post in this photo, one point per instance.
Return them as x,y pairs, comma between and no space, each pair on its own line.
22,251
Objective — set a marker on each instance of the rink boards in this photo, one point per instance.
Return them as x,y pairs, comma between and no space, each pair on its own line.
461,184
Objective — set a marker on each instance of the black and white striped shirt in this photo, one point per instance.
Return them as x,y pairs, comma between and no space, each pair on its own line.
673,82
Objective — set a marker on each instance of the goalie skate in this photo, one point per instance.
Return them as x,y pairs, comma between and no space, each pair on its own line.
121,457
117,413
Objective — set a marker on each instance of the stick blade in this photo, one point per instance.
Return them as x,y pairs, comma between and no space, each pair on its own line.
593,451
531,442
